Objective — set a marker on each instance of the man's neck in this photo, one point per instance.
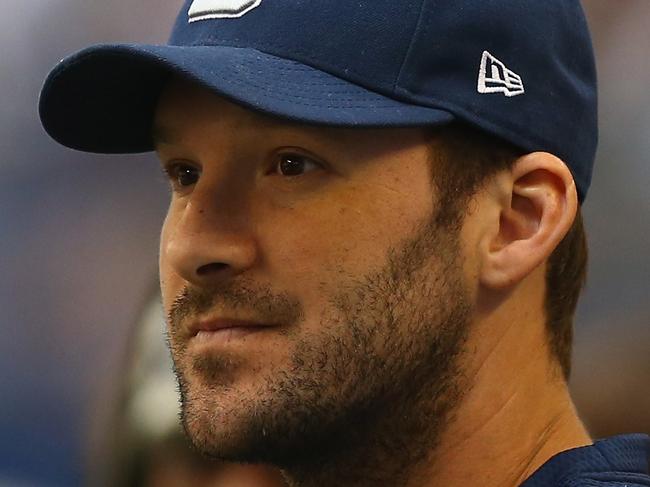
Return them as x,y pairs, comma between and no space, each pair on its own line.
517,414
510,444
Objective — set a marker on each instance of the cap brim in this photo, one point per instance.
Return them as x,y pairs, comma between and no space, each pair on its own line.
102,99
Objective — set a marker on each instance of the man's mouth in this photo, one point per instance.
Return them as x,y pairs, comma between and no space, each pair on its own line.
220,331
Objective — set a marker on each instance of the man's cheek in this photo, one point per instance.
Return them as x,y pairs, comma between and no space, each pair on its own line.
171,284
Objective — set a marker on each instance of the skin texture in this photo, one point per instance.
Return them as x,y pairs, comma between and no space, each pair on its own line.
403,341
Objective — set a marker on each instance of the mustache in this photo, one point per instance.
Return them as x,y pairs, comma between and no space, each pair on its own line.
231,298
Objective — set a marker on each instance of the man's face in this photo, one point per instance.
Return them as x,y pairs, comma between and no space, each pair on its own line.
329,236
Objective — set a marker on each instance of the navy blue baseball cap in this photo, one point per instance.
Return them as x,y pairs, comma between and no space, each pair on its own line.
521,70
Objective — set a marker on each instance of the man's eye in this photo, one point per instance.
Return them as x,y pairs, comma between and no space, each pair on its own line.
292,165
181,175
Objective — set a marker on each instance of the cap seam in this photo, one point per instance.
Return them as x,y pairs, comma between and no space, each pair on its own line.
318,64
407,53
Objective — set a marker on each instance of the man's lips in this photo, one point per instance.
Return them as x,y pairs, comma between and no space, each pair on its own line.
224,329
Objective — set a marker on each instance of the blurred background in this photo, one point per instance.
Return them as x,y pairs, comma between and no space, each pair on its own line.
79,241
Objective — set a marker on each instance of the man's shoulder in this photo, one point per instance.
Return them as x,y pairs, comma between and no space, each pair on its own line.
619,461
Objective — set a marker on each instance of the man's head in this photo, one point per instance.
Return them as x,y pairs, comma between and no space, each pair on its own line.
333,236
367,257
383,194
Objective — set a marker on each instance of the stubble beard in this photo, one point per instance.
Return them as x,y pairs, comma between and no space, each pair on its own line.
364,400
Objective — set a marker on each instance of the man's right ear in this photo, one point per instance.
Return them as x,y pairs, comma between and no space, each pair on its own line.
537,202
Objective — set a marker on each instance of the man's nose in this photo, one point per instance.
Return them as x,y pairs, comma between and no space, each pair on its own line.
209,240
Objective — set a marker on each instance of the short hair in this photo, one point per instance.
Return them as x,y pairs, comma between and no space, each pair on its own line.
463,159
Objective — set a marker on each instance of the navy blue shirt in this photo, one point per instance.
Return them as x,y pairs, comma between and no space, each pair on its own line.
619,461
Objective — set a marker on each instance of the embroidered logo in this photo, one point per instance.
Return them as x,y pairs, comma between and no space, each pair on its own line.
220,9
494,77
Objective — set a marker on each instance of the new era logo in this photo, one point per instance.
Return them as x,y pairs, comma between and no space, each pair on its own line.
220,9
494,77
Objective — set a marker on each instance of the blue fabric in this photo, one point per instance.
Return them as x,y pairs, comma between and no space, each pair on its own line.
619,461
362,63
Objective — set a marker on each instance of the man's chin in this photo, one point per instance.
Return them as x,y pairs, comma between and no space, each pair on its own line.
221,411
218,427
